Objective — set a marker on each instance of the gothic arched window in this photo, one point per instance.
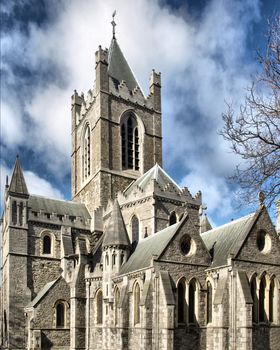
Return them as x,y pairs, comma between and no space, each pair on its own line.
99,307
172,219
47,244
255,299
117,299
130,143
14,212
192,302
60,315
181,301
209,302
134,229
136,303
272,301
86,153
262,314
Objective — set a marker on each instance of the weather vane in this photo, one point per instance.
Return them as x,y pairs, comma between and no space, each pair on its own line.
114,23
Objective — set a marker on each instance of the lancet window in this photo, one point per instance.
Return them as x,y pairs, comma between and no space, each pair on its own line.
86,153
136,303
130,143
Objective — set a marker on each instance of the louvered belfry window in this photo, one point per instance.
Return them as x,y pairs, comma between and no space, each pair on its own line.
130,143
86,153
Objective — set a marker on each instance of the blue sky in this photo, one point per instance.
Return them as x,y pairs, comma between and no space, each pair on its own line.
205,50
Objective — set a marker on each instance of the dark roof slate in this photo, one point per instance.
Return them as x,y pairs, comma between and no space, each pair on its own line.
18,184
48,205
115,233
225,240
148,247
118,67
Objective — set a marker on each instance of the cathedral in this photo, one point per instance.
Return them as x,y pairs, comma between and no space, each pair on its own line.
131,262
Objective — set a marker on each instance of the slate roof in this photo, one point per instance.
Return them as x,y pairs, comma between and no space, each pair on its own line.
18,184
155,173
148,247
118,67
42,293
115,233
61,207
227,239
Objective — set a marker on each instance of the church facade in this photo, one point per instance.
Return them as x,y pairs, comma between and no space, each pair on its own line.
131,262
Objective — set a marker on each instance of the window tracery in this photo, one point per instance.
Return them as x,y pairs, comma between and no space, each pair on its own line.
130,143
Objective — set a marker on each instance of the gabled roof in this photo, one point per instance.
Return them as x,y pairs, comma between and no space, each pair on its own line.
18,184
155,173
48,205
148,247
226,239
118,67
116,233
42,293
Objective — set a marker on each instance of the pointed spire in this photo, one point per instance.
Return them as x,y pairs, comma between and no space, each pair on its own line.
116,233
205,224
18,184
118,68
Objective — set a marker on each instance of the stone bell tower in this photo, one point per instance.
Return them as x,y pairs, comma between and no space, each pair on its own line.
116,130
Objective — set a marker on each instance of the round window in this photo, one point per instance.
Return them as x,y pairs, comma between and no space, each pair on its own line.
187,245
263,241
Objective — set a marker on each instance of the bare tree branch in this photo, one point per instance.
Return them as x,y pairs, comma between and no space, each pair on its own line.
254,132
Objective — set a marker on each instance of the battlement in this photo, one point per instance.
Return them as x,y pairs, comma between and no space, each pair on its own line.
59,219
101,55
155,78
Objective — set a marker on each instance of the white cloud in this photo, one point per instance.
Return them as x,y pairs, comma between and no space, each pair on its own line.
12,125
202,65
35,184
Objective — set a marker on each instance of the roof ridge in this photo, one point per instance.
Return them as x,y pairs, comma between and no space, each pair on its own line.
229,223
57,199
160,232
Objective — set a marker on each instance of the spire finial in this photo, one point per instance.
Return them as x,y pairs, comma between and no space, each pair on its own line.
114,24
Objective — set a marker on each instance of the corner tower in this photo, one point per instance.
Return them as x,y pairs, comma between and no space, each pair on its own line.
116,130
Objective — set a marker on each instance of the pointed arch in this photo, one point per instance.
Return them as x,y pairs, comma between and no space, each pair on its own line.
181,301
253,287
172,218
192,301
99,307
116,303
134,229
86,157
136,303
272,300
262,300
130,141
209,302
14,212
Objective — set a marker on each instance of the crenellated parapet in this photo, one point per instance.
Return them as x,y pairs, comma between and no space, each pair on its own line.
59,219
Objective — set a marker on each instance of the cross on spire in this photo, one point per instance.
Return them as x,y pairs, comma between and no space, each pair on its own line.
114,24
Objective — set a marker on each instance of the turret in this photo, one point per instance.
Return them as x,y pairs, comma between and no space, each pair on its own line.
101,69
17,197
116,248
155,90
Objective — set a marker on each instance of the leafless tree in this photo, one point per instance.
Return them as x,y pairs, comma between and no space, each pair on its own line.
254,132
